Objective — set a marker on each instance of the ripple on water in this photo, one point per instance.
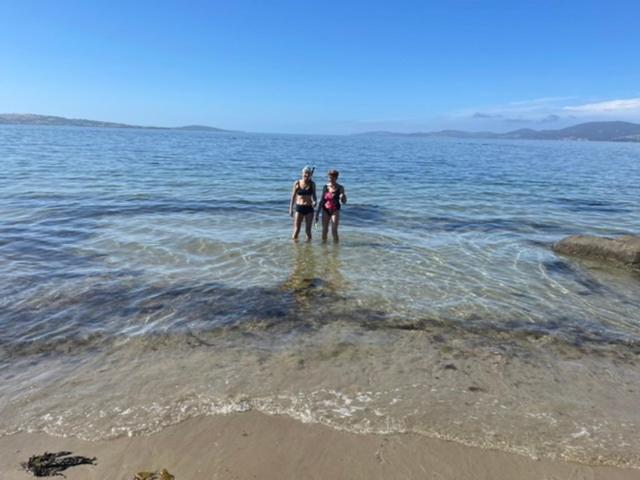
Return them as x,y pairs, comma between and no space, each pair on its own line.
132,257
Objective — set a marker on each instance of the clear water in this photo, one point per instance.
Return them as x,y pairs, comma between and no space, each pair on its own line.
148,277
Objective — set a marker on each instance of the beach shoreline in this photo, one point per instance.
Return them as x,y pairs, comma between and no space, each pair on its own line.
255,445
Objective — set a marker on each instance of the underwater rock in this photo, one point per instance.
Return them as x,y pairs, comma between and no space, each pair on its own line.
53,464
622,251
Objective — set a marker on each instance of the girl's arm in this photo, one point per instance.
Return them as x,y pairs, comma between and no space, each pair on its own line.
293,196
313,190
343,195
324,189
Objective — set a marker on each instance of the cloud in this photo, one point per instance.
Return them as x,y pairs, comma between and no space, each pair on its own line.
536,102
536,110
485,115
550,118
545,112
611,106
517,120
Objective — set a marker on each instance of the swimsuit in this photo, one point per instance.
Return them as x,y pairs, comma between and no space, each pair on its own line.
331,200
305,192
304,209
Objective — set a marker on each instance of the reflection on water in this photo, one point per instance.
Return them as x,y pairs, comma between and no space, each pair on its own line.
316,280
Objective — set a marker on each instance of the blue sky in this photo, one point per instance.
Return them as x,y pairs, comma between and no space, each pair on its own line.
323,67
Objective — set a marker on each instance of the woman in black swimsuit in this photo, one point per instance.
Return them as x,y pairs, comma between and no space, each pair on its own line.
333,195
303,197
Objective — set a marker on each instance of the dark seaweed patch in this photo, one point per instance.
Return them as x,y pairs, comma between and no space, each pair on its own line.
300,304
584,205
561,268
359,215
563,334
460,224
53,464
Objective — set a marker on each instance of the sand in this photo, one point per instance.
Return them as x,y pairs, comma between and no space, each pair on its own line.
256,446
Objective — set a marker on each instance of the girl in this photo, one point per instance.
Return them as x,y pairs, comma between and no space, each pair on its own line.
333,195
303,196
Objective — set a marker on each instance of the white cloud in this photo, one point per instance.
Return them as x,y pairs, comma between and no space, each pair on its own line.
611,106
541,101
532,109
539,113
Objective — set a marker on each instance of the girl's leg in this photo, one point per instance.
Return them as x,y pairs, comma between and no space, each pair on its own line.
335,221
297,223
326,218
308,223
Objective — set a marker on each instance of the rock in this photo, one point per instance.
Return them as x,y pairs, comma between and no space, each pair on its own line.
622,251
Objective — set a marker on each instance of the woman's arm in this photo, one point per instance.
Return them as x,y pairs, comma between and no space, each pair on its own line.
313,191
324,189
343,195
293,196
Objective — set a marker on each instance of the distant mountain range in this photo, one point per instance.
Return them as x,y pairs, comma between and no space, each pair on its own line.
592,131
32,119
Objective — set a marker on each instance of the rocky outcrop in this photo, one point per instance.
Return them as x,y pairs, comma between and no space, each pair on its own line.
622,251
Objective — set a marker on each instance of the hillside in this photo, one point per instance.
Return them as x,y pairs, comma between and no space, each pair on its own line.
49,120
592,131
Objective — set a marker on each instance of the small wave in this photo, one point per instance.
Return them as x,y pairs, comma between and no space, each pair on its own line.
359,412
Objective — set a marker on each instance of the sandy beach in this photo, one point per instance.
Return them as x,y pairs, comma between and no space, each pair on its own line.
253,445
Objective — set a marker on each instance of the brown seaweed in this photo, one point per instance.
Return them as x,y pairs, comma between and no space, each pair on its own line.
53,464
161,475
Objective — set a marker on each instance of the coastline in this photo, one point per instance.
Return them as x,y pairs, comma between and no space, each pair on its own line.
255,445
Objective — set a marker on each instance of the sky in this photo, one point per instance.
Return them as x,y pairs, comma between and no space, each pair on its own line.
326,67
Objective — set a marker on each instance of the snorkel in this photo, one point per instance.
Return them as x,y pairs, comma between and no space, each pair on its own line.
308,169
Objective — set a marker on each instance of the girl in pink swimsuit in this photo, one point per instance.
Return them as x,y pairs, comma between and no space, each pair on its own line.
333,195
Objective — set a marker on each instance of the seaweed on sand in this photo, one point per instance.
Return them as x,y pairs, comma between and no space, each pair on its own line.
161,475
53,464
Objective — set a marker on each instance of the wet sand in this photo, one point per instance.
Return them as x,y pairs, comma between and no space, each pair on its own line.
256,446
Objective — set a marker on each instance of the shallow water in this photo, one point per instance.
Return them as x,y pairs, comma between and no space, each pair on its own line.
148,277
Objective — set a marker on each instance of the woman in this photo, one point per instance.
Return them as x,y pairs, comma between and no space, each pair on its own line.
333,195
303,196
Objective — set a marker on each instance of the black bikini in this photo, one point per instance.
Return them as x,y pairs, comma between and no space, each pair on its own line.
306,191
305,209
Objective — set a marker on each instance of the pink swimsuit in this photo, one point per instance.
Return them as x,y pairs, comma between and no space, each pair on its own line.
330,201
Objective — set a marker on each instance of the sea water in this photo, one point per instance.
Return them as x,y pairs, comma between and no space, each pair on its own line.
148,276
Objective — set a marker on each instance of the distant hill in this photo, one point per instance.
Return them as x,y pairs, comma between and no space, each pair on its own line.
201,128
32,119
49,120
592,131
455,134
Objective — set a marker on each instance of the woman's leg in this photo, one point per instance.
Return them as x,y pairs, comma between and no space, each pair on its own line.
297,223
335,221
326,218
308,223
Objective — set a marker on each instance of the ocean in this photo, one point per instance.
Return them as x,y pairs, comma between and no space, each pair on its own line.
148,276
